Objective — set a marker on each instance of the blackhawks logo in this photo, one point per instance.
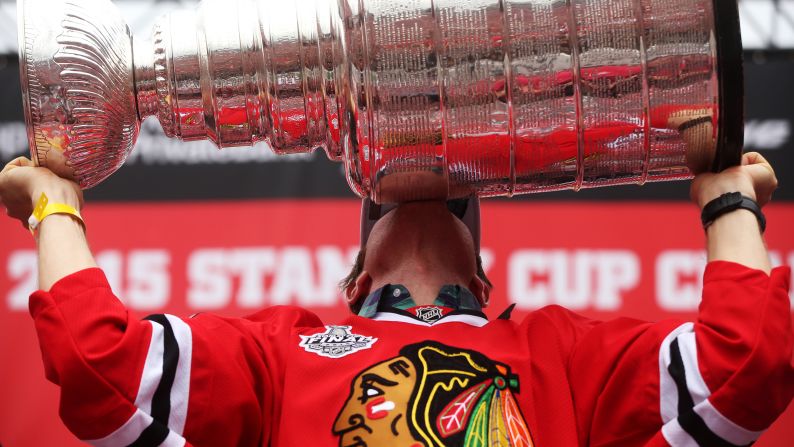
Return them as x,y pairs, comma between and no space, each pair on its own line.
335,342
433,395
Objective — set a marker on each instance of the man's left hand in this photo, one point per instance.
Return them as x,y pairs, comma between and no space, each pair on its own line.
754,178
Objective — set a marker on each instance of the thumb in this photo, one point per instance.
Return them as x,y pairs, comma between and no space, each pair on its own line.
753,158
23,161
19,162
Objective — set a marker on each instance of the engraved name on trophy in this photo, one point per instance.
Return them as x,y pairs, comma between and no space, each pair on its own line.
418,98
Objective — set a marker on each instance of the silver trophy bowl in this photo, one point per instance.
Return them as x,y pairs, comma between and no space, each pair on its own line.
78,87
417,98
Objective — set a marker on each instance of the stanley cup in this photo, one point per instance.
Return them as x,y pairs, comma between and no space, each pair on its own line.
418,98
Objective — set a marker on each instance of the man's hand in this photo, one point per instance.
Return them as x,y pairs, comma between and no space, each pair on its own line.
21,184
735,236
754,178
61,241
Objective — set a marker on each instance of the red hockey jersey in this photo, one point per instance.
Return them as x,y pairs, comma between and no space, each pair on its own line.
282,378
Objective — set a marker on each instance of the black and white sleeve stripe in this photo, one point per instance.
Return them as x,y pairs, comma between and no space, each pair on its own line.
690,420
163,391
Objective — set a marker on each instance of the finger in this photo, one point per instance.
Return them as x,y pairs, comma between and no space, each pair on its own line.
753,158
22,162
758,161
18,162
764,182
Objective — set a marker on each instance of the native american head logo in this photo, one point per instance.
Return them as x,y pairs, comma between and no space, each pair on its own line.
433,395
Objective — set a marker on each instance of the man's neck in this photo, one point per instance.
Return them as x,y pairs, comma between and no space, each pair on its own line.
423,293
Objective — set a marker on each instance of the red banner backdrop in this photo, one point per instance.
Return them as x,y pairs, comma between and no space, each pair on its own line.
601,259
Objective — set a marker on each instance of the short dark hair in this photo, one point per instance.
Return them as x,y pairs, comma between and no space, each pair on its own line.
358,267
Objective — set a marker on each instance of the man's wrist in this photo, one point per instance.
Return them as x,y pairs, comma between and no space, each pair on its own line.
60,220
44,209
729,203
57,193
710,195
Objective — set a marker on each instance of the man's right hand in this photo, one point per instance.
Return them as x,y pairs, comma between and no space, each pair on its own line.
21,184
61,241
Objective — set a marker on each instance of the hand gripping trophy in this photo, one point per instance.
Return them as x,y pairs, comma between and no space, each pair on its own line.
418,98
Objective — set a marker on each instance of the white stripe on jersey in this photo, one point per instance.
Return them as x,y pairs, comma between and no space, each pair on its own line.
173,440
694,381
699,392
668,392
150,379
152,369
131,430
127,433
724,427
180,391
676,436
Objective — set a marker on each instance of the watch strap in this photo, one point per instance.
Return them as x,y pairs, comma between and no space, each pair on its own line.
728,202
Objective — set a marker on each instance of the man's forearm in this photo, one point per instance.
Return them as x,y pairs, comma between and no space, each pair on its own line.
736,237
62,245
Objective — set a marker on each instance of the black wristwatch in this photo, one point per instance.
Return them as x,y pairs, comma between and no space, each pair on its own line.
730,202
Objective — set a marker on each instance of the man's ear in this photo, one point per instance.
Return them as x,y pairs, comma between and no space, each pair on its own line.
480,290
358,289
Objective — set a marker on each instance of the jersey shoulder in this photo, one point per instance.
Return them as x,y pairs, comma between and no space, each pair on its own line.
560,318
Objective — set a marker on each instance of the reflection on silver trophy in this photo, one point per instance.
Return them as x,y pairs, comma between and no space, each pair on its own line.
418,98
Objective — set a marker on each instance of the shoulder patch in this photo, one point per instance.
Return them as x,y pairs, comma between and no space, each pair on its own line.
336,342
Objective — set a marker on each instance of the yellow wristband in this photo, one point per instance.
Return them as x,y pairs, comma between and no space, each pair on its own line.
44,208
